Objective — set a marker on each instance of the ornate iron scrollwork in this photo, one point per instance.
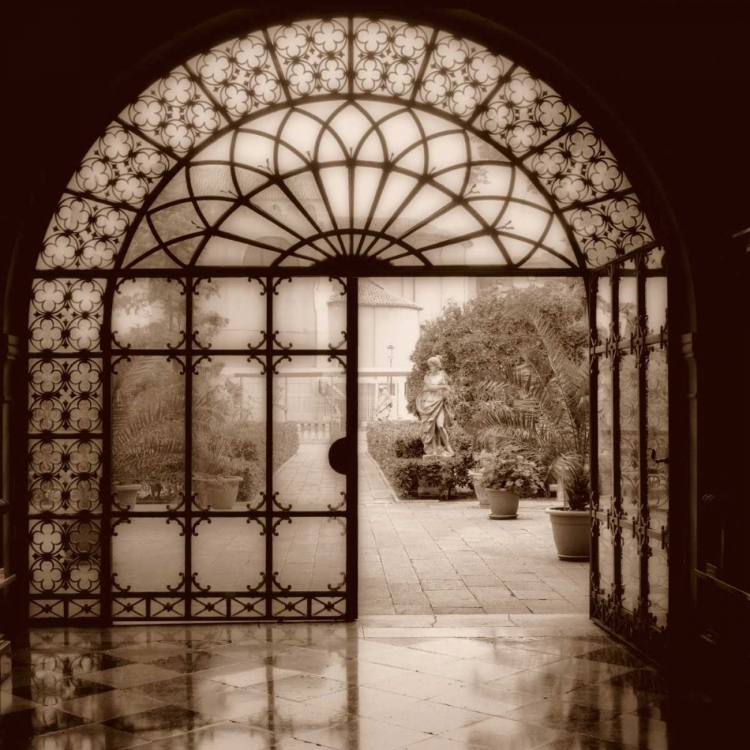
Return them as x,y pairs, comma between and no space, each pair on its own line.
110,222
338,586
275,581
339,506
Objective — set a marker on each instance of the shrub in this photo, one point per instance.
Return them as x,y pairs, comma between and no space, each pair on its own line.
285,442
512,471
486,338
246,456
397,448
250,445
383,436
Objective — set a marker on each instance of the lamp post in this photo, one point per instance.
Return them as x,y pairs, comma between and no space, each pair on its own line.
390,348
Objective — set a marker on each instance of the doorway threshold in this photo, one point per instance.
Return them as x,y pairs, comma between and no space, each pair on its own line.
477,626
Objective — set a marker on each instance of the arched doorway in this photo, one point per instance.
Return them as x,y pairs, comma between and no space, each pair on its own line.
344,147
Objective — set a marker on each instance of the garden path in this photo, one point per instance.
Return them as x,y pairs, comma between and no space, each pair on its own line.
432,557
421,557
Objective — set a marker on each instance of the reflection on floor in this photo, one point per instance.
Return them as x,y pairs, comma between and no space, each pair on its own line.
423,683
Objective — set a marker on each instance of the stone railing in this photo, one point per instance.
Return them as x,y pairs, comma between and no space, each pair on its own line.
318,432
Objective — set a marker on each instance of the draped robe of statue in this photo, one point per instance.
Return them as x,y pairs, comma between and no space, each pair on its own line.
435,415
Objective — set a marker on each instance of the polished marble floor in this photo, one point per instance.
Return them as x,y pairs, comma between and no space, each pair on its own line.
423,683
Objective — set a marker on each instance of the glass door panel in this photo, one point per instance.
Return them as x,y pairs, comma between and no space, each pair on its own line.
630,571
310,413
224,503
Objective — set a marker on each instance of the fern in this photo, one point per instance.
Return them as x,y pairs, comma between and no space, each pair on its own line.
541,409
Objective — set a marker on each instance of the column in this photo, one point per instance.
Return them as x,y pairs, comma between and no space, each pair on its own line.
8,351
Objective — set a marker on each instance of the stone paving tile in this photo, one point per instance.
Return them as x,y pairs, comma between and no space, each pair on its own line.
452,599
508,606
416,557
458,559
450,584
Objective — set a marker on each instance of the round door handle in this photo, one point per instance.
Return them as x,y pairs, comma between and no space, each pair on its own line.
710,500
338,455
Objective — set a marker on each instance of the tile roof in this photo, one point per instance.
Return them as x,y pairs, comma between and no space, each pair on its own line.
373,295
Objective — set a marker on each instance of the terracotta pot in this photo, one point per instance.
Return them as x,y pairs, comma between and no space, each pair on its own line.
127,494
220,493
571,530
479,491
503,504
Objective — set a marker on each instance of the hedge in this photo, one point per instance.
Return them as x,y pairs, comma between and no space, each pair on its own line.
397,448
249,456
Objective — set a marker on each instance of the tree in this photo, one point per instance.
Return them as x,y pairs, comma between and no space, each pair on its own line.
486,338
542,410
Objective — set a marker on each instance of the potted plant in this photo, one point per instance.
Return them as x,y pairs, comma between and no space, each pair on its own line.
542,409
148,433
216,492
507,477
571,525
217,476
481,462
126,492
476,479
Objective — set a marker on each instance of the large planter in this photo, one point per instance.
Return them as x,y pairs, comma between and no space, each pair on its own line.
126,494
479,491
571,530
220,493
503,503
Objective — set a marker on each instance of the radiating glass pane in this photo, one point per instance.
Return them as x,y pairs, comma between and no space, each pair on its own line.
629,420
148,554
229,433
309,553
309,313
309,415
148,432
220,251
149,313
229,313
604,426
229,554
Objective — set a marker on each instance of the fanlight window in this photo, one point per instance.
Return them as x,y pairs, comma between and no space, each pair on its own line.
300,143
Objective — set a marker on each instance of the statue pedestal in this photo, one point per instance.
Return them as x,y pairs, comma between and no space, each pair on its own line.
427,488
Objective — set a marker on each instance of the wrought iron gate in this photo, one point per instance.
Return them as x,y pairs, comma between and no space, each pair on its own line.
344,145
189,400
630,446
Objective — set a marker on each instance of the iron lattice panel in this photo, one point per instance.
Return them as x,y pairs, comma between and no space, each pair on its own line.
630,445
74,520
183,185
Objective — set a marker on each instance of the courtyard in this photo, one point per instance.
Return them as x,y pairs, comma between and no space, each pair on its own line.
430,557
